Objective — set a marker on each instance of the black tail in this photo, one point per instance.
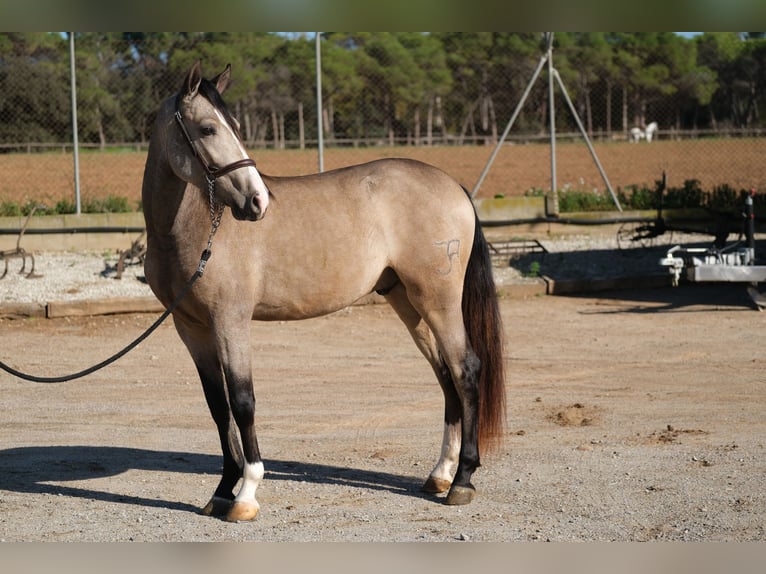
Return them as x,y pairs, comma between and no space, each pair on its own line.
483,324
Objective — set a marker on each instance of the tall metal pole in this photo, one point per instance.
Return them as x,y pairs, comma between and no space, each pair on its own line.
320,126
75,143
552,199
552,205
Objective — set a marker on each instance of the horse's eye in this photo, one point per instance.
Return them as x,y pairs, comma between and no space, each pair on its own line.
208,131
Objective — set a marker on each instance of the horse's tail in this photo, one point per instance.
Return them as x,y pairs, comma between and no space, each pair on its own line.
481,315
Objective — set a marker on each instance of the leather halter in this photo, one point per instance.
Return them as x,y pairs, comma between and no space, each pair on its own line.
211,173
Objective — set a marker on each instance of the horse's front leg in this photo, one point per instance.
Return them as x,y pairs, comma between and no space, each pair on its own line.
203,350
224,367
237,368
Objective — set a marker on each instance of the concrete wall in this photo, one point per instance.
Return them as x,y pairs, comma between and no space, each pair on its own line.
87,232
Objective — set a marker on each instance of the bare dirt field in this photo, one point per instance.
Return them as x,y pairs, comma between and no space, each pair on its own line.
517,168
633,415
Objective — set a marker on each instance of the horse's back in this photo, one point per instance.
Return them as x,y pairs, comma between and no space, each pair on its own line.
395,193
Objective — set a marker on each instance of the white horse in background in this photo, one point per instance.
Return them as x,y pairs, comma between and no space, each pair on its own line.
637,134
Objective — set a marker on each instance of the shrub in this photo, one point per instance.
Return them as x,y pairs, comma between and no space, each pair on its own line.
690,195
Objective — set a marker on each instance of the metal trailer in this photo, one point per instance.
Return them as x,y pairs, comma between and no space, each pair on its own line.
713,264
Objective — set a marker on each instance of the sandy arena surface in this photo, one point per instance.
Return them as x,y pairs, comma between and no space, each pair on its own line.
633,415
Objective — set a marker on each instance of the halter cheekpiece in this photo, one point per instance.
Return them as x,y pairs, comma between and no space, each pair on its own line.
211,173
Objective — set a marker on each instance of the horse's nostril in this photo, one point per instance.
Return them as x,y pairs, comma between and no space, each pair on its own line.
256,206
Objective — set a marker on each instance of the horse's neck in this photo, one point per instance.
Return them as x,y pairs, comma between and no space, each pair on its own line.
163,194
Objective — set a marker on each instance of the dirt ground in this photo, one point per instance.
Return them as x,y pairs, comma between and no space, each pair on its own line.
517,169
633,416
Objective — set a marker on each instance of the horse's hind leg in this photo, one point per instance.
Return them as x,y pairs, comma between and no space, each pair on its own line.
440,478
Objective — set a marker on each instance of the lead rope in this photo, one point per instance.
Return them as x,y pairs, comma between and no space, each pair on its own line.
216,213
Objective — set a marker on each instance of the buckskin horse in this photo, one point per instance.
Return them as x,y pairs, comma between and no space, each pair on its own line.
298,247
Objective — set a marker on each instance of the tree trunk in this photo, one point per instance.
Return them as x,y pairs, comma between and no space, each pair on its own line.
328,115
493,121
439,119
468,123
430,122
101,135
248,129
274,128
609,110
417,126
624,109
301,133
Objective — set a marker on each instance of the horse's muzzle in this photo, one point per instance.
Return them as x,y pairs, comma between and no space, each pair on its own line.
253,208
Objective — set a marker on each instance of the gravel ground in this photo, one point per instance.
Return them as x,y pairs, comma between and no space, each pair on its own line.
70,276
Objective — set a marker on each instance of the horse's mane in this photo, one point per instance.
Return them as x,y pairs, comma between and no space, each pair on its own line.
208,90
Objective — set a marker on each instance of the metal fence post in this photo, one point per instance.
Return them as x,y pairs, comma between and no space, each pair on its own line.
320,135
75,143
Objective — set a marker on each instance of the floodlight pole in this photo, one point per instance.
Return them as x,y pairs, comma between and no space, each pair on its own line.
552,203
553,75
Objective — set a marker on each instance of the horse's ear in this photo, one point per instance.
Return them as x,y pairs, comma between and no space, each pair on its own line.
193,79
222,80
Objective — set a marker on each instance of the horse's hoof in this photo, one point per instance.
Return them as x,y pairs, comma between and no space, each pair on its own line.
436,485
216,507
242,511
459,495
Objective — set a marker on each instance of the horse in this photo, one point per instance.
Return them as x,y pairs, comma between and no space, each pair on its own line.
638,133
651,129
291,248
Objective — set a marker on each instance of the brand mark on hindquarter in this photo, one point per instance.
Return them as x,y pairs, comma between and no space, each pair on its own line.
453,253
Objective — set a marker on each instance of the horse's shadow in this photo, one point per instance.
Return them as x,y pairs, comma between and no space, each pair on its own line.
47,469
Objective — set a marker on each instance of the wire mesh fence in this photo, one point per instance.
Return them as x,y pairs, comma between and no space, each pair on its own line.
442,98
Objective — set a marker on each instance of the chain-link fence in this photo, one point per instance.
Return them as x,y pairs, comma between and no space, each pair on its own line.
443,98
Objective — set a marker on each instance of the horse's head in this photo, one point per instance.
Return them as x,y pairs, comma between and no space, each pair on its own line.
209,151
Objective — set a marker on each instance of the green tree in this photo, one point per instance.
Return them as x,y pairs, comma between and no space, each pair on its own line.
100,118
34,88
436,81
722,53
341,87
592,62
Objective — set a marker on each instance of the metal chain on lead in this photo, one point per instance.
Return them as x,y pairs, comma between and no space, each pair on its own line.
216,213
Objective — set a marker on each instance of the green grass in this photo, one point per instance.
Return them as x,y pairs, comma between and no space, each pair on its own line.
110,204
689,195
